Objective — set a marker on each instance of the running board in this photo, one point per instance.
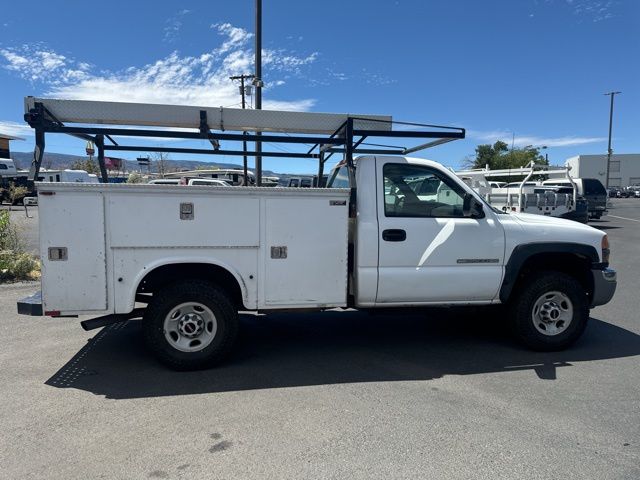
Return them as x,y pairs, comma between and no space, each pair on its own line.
100,322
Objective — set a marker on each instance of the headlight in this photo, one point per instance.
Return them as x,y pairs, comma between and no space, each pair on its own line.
605,249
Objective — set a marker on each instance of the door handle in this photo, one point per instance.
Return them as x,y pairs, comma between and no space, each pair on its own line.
394,235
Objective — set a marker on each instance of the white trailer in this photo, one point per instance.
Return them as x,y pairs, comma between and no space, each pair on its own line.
65,176
372,239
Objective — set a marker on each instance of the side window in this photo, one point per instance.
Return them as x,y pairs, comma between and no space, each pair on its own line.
417,191
340,178
593,186
3,167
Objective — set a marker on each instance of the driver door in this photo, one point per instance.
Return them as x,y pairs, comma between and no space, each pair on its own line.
428,251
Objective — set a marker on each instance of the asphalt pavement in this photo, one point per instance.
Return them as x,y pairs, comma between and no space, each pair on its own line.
334,395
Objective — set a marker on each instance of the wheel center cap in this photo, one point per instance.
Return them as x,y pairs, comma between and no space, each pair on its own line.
550,312
191,325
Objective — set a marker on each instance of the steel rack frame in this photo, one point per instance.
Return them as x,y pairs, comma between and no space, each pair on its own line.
297,128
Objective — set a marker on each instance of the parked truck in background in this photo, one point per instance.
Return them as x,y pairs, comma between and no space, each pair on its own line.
589,188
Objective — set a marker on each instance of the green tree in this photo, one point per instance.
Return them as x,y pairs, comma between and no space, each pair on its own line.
134,177
498,156
87,165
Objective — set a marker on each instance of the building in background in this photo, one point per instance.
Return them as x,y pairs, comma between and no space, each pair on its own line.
5,151
624,169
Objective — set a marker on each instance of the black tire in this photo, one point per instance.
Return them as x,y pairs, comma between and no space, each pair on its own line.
521,309
202,292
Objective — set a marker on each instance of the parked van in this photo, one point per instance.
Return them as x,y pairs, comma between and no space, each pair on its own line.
591,189
232,176
165,181
7,168
211,182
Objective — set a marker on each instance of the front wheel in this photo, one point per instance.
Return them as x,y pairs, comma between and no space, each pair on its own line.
190,325
550,311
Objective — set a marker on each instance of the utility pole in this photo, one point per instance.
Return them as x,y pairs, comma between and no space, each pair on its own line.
257,82
242,78
609,151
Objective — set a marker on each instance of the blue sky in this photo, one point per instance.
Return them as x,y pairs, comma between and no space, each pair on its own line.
536,69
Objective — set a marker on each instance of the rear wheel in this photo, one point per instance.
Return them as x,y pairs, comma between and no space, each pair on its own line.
190,325
550,311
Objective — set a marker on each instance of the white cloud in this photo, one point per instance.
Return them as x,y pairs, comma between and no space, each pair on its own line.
174,25
236,36
535,141
175,79
37,63
14,129
596,10
593,10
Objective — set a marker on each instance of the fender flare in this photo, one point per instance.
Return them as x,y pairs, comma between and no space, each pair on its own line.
147,269
521,253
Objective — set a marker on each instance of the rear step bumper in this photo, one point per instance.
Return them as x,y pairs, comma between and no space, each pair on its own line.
31,305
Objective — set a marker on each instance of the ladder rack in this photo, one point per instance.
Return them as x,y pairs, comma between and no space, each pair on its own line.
329,133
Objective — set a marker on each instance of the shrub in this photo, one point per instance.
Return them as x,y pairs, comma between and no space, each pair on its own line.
17,192
15,263
134,177
9,237
22,266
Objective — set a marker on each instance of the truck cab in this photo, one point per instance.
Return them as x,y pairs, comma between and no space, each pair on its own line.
447,246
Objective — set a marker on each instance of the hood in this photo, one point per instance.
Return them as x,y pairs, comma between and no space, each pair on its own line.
560,229
532,219
542,229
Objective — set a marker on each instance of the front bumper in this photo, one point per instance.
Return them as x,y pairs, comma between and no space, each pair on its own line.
605,282
598,211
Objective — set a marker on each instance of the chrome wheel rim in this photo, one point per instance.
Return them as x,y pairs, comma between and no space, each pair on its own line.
552,313
190,327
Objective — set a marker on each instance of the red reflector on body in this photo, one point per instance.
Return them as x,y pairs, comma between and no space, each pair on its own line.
47,193
52,313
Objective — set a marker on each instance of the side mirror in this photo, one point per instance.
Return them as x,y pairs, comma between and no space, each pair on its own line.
472,207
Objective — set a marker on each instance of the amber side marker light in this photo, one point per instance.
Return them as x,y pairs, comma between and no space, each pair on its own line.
605,249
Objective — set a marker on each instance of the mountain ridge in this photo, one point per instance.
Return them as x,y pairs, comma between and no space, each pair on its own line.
60,161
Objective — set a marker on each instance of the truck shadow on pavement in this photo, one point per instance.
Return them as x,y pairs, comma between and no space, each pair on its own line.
289,350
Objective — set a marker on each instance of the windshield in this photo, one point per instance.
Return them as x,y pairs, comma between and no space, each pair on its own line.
592,186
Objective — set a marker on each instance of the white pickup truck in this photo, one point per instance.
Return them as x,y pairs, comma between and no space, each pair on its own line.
197,256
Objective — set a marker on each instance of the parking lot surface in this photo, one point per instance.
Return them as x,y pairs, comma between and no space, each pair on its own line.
442,394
